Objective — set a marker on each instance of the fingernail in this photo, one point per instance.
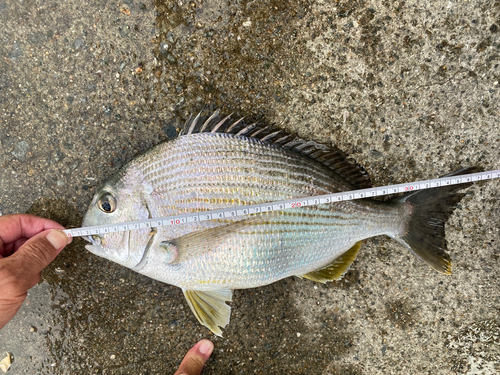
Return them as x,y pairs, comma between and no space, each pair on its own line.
58,239
206,347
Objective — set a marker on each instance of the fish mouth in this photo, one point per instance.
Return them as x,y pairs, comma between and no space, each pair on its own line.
95,246
97,250
121,254
101,246
94,239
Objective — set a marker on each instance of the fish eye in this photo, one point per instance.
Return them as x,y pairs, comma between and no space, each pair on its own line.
107,203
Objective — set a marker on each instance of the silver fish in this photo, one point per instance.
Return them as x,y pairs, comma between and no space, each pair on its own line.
218,164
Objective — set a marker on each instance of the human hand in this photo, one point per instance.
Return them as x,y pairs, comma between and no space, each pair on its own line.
195,359
28,244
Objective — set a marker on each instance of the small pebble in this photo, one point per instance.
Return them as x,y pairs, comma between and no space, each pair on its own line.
163,47
5,363
79,42
20,151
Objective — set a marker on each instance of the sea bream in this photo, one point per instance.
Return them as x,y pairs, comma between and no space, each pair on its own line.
217,164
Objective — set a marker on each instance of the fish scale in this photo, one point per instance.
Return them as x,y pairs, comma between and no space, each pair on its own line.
293,247
254,182
202,171
267,164
265,177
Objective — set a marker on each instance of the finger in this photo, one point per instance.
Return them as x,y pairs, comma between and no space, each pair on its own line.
8,249
9,308
20,242
36,254
195,359
12,247
13,227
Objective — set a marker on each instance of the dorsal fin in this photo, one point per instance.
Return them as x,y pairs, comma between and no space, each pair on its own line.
331,157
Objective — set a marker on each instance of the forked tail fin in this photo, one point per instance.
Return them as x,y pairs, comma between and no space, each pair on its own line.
430,209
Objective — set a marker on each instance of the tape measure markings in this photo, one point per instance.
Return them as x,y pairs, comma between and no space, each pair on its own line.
229,212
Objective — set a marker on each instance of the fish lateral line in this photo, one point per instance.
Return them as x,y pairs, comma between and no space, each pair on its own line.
230,212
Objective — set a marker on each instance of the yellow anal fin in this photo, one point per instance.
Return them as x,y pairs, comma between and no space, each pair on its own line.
336,269
210,307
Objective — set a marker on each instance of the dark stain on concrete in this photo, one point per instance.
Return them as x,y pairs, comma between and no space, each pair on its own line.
280,342
401,313
56,209
236,54
350,279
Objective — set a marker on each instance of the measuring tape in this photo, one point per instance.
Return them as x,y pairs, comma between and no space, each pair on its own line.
281,205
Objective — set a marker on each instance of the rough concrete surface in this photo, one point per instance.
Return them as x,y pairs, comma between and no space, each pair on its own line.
410,89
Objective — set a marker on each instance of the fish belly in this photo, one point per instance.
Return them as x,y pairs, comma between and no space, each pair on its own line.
271,246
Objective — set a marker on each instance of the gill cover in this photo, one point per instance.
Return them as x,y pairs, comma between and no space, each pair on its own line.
120,199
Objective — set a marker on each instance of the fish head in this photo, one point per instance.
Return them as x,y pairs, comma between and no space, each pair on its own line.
120,199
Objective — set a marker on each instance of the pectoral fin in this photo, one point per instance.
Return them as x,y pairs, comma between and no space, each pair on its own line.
210,308
201,242
169,251
336,269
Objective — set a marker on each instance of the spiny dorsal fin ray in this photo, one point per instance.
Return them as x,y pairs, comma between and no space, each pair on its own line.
331,157
233,125
216,127
194,122
246,129
187,125
336,269
207,122
210,307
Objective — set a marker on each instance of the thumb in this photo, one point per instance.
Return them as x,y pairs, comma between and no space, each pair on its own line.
39,251
21,271
195,359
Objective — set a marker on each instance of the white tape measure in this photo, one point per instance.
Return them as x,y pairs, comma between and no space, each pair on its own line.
280,205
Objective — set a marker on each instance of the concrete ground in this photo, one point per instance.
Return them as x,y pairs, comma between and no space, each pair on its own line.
409,89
